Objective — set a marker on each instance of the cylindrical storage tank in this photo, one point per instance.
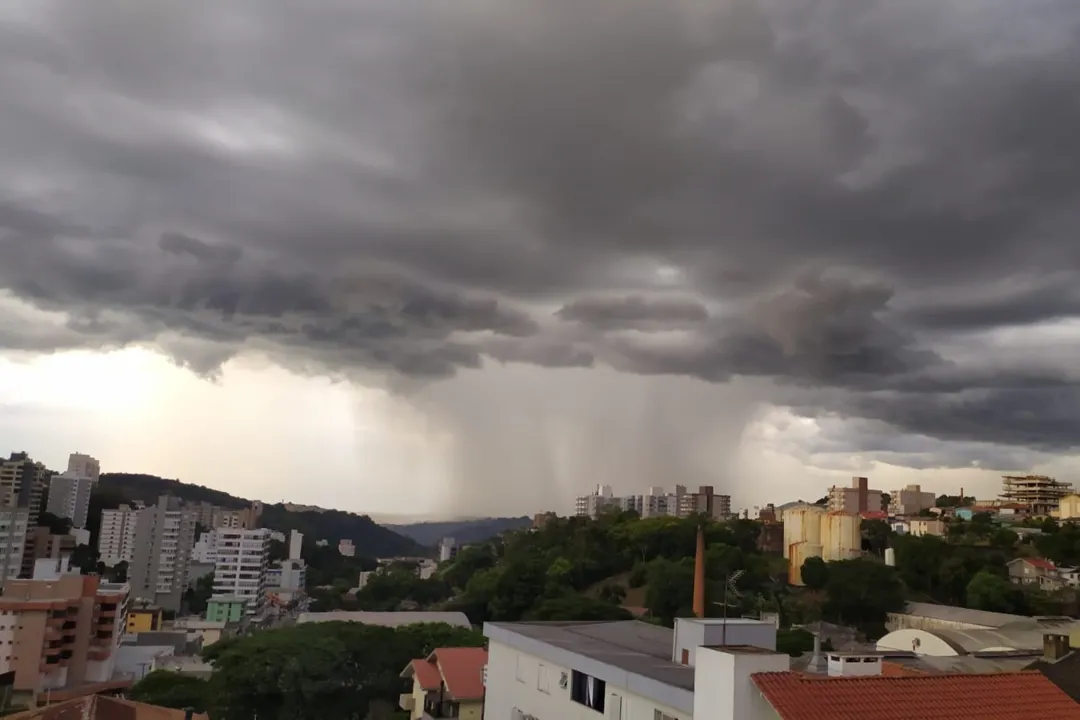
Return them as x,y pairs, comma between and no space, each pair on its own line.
841,537
799,554
802,524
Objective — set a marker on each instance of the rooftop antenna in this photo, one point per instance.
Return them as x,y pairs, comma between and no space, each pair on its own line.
732,590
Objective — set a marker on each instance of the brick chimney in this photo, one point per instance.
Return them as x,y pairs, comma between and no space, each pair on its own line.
861,484
1055,646
699,574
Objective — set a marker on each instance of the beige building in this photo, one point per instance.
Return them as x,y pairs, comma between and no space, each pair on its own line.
926,526
858,498
1068,508
448,683
910,501
246,519
62,633
23,483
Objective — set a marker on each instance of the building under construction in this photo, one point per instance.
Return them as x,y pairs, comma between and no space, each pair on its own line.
1038,493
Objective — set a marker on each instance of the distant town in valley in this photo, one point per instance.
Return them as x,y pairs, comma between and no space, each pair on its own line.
140,594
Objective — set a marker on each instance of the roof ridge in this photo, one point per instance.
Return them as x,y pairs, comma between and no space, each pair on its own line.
803,677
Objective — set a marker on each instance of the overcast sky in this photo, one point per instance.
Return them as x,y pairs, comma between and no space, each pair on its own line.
475,256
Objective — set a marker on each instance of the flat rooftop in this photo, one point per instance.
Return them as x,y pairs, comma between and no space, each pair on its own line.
635,647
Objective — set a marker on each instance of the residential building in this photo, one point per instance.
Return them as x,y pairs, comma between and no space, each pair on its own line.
296,545
84,466
144,619
69,497
593,504
386,619
226,609
656,502
1060,663
164,536
246,519
910,501
448,549
41,544
241,564
116,539
1039,494
104,707
203,632
855,499
1068,508
23,483
346,547
204,513
448,683
919,526
60,633
14,524
1034,571
287,575
51,568
205,549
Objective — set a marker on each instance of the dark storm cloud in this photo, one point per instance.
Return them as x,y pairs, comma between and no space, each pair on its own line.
847,197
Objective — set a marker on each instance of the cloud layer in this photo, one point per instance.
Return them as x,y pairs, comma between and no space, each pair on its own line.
870,205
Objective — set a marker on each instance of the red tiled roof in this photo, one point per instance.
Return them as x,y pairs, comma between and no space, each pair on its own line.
1040,563
463,671
425,673
1000,696
875,515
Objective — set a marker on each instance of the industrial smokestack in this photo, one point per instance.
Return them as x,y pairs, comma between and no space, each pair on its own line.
699,574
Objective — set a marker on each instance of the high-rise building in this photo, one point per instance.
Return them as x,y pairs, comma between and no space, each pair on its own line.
296,544
69,497
164,536
241,565
657,503
205,550
14,522
23,483
116,540
61,633
41,544
246,519
84,466
448,549
910,501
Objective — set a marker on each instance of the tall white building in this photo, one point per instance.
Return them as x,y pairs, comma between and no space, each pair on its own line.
296,544
84,466
164,536
241,566
448,549
205,550
116,541
69,497
656,503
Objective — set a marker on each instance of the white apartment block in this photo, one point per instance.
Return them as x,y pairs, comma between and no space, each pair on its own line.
81,465
14,523
116,541
69,497
205,549
628,670
242,565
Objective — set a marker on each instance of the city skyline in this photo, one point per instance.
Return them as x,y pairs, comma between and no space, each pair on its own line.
469,258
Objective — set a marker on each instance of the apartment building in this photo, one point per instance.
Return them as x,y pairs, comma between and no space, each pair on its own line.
657,502
1038,494
14,523
23,483
205,550
241,567
61,633
116,540
41,544
69,497
164,535
858,498
84,466
910,501
246,519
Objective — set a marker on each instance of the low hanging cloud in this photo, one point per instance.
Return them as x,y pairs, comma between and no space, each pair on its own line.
855,202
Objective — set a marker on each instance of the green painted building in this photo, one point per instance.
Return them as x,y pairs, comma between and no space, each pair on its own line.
226,609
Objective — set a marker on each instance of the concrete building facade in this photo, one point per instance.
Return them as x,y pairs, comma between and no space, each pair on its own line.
69,497
241,567
14,525
858,498
23,483
116,539
910,501
164,535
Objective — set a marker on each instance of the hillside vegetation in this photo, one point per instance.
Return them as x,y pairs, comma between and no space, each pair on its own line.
465,532
370,538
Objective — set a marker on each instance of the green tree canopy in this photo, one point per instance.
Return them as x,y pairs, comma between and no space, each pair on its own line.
988,591
815,573
861,593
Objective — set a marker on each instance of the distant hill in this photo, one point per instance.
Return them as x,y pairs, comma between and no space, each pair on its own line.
463,531
371,539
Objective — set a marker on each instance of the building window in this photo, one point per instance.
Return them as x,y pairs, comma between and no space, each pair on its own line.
587,690
542,679
661,715
520,672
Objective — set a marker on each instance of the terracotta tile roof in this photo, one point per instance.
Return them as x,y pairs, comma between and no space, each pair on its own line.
462,670
100,707
1000,696
1040,563
874,515
425,673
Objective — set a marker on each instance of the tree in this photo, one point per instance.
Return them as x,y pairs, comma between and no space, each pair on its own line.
861,593
612,593
326,671
577,607
172,690
196,598
56,525
988,591
815,573
876,535
671,588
